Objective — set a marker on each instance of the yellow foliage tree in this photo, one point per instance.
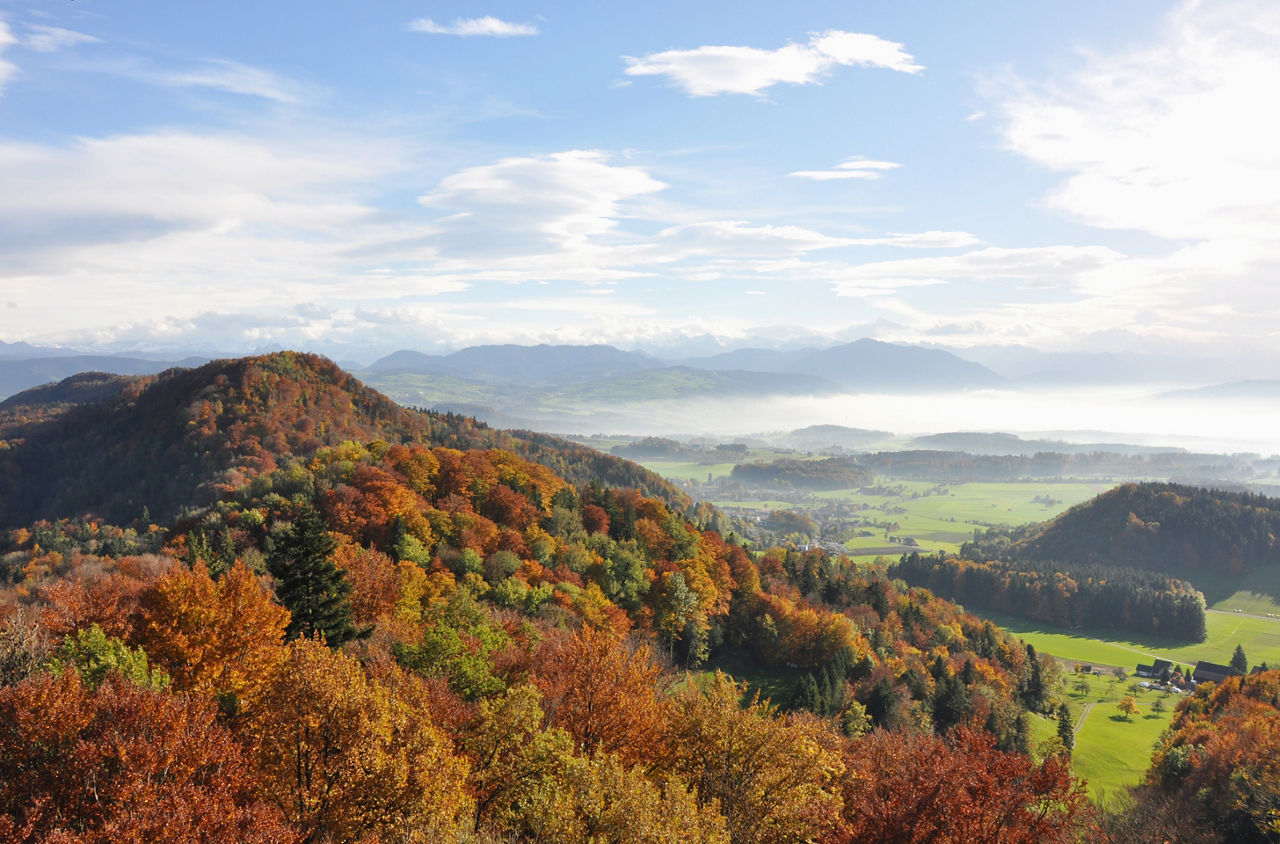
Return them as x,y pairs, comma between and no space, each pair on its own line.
600,799
346,757
774,780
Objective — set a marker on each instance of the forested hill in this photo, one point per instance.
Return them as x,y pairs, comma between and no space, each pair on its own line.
1165,527
112,445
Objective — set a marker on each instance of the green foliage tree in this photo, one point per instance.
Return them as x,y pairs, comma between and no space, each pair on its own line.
313,588
1238,660
94,655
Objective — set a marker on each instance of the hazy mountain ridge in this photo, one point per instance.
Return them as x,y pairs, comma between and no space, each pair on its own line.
19,374
531,365
866,364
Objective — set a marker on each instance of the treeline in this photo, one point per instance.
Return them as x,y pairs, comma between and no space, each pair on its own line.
1067,595
828,473
957,467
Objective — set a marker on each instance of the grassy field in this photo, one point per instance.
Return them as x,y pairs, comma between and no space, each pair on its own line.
1113,752
1257,592
697,470
1260,638
687,470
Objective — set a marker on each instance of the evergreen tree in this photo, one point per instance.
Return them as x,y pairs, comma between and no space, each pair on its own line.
883,705
1033,690
1066,729
807,695
310,585
1239,662
950,703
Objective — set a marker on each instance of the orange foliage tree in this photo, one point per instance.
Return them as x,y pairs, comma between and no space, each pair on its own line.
907,788
123,763
605,693
221,638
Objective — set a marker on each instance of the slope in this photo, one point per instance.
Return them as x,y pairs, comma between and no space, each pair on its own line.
182,438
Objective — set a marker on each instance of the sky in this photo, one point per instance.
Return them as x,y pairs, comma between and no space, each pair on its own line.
356,178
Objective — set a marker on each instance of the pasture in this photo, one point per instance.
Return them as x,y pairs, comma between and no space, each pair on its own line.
1260,638
1112,752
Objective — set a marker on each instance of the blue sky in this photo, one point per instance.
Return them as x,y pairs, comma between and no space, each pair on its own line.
357,178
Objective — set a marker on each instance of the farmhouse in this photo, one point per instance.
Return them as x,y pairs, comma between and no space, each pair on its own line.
1157,669
1211,672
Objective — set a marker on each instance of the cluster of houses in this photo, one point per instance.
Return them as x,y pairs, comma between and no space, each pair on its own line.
1204,672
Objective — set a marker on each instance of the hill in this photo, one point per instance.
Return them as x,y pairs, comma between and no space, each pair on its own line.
831,473
681,381
1164,527
182,438
542,365
864,365
819,437
1253,390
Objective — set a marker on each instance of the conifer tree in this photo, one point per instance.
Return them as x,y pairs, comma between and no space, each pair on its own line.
1066,730
1238,660
310,585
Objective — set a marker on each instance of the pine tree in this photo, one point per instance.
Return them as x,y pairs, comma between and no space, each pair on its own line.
1066,729
310,585
1033,690
1239,662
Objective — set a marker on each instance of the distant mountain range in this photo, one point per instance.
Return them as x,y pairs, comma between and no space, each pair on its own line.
1230,390
864,366
541,365
18,374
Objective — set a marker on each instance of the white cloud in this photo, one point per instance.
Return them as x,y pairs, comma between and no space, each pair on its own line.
1042,264
710,70
466,27
50,39
556,205
131,228
738,238
233,77
7,69
1175,138
1178,139
919,240
852,168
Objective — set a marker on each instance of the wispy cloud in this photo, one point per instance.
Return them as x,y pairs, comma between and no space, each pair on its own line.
852,168
919,240
50,39
711,70
1175,138
468,27
235,78
7,69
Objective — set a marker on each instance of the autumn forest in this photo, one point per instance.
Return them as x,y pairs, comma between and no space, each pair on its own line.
258,601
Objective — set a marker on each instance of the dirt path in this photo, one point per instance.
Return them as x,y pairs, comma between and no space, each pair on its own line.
1084,713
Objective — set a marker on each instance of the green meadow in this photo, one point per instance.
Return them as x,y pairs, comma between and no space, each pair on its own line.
1112,751
1260,638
